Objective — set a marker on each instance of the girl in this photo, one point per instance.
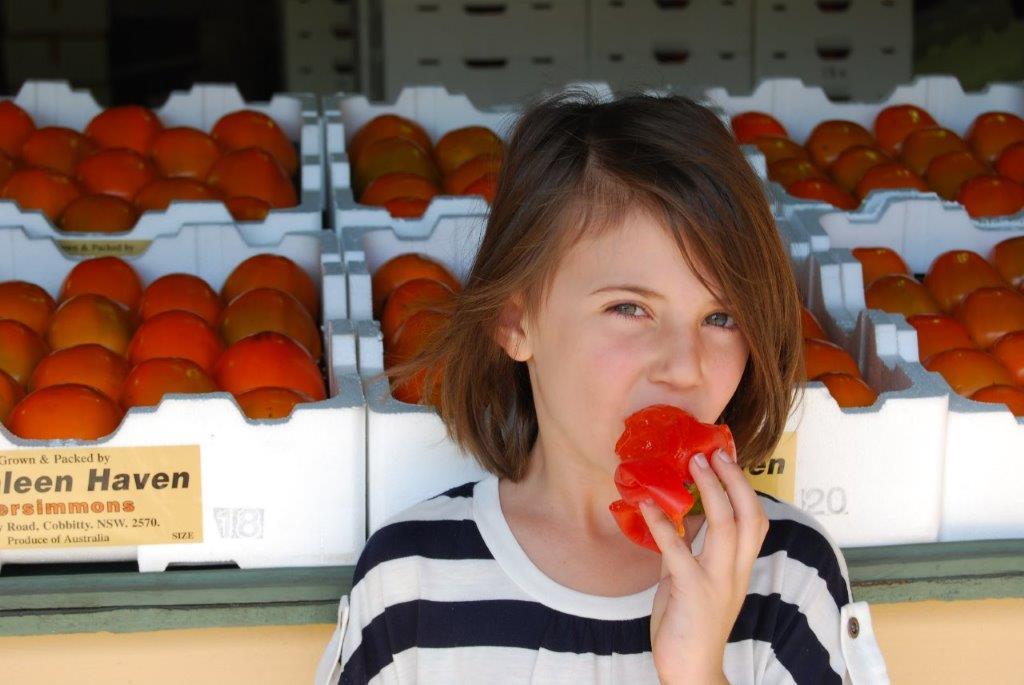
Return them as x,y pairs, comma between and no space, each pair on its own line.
630,259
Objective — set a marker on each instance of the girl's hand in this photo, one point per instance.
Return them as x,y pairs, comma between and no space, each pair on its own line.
700,596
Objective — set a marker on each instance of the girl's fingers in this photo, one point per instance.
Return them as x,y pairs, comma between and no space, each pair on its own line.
751,521
675,555
719,552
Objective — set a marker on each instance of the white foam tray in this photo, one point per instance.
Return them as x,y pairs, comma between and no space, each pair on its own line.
304,474
55,103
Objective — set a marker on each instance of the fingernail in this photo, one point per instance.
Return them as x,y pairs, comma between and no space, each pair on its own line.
700,460
724,456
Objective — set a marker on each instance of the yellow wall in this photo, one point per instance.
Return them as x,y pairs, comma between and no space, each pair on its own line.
923,642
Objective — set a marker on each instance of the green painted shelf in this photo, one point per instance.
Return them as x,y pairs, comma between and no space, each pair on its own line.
133,602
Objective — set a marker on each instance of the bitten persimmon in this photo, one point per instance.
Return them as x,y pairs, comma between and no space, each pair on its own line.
65,412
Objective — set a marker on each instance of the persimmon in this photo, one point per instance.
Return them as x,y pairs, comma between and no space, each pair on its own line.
847,390
810,326
1011,396
893,124
27,303
128,126
486,186
776,149
408,341
947,172
459,146
889,176
15,126
900,294
109,276
406,207
457,181
65,412
269,359
159,194
90,318
822,356
829,139
97,213
955,274
1009,350
252,172
876,262
388,187
184,152
90,364
406,267
270,403
247,208
182,292
1008,258
176,334
56,148
938,333
992,132
990,313
11,393
924,145
826,191
150,380
991,195
749,126
407,299
47,191
786,172
272,271
968,371
21,349
850,167
249,128
1011,162
388,126
269,309
388,156
118,172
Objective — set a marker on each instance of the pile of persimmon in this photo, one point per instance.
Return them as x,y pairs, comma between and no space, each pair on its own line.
412,294
841,161
126,162
70,368
968,313
395,165
830,364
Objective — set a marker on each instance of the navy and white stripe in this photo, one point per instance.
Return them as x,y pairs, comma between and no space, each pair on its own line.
432,602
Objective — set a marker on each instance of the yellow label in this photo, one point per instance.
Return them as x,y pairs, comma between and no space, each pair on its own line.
104,248
70,497
777,475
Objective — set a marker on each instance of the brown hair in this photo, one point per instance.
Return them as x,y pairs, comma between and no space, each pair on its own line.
575,165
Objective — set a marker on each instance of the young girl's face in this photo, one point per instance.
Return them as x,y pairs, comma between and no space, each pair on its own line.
625,324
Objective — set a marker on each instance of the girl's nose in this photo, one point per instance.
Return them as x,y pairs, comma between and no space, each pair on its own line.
677,363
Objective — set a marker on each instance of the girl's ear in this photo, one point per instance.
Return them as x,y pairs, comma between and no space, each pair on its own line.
513,331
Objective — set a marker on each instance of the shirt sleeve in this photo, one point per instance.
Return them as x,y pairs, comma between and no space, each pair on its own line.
366,650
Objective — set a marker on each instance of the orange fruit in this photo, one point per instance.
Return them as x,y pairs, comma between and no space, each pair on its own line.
407,299
749,126
407,343
387,126
876,262
7,168
159,194
150,380
269,309
99,214
247,208
183,152
990,195
968,371
406,267
183,292
992,132
809,325
1011,396
21,349
406,207
388,187
924,145
176,334
1011,162
990,313
955,274
938,333
895,123
272,271
56,148
27,303
1008,258
391,155
92,365
829,139
10,394
485,186
946,173
119,172
786,172
269,359
778,149
457,147
853,163
128,126
826,191
65,412
847,390
15,126
249,128
270,403
456,182
822,356
889,176
252,173
900,294
1009,350
90,318
109,276
47,191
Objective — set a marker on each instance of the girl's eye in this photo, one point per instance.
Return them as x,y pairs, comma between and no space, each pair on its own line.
722,320
629,310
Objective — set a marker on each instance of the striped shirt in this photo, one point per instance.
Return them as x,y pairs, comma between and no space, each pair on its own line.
444,594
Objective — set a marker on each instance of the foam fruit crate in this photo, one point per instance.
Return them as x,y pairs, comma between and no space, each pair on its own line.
55,103
433,108
671,42
854,49
981,491
288,492
800,107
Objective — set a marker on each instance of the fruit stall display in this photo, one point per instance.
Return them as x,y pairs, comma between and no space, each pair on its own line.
205,360
71,169
429,153
927,137
959,291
